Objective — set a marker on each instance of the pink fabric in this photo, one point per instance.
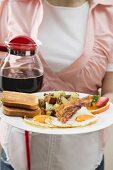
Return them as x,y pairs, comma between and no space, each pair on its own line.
15,20
84,75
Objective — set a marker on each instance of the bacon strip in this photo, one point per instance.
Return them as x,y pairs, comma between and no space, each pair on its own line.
65,111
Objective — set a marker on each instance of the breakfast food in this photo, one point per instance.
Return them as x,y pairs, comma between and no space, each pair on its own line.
19,100
65,111
20,104
40,121
99,105
56,109
82,118
12,111
102,101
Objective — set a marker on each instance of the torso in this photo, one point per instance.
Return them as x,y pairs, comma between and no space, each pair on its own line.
60,46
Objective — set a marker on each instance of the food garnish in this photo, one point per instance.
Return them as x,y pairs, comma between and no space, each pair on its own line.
102,101
94,100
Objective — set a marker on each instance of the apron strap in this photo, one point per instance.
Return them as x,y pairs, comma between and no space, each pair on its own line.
27,150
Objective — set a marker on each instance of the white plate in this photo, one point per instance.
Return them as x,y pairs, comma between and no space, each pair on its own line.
105,120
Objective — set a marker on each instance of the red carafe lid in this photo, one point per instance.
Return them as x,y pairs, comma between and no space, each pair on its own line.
23,43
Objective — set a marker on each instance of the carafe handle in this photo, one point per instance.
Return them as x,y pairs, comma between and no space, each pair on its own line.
3,47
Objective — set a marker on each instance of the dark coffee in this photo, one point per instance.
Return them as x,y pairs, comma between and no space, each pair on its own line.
21,80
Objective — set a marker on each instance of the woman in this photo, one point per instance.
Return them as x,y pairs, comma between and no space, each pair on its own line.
77,55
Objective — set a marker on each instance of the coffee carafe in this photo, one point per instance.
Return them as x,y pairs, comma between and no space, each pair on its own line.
21,70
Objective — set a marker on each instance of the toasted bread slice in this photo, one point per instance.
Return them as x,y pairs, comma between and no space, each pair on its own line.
20,100
12,111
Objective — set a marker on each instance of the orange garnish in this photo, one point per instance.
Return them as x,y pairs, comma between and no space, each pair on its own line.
96,110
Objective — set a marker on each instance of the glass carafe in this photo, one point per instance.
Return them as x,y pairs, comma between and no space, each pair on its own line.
21,69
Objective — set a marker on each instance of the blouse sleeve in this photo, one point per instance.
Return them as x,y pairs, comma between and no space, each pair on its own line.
21,16
3,20
104,31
